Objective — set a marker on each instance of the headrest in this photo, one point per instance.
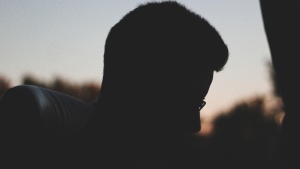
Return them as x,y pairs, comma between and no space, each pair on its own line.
35,110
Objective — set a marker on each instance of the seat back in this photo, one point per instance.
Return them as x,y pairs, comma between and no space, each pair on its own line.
38,120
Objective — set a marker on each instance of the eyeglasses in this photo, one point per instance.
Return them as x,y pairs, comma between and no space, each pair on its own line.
202,104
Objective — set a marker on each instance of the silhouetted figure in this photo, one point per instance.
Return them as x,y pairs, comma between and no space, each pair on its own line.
282,30
159,62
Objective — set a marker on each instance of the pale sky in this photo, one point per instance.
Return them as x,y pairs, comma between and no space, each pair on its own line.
66,38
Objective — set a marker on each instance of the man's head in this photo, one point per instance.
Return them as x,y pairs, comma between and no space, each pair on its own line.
158,63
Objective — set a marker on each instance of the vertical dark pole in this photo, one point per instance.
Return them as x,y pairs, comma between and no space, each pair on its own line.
281,23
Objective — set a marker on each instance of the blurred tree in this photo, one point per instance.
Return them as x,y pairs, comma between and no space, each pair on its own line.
273,79
4,84
246,137
29,79
87,91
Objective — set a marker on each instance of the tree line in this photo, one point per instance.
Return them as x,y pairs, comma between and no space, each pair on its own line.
246,136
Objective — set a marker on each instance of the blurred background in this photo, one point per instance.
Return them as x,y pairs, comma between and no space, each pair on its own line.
60,44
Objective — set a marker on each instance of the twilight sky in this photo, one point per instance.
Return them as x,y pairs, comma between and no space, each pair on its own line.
49,38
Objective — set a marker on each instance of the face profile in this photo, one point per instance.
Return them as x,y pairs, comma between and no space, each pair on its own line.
159,62
161,57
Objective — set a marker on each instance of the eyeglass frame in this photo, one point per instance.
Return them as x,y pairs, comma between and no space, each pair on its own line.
203,103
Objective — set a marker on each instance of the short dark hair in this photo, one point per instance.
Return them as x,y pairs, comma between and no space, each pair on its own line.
162,35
